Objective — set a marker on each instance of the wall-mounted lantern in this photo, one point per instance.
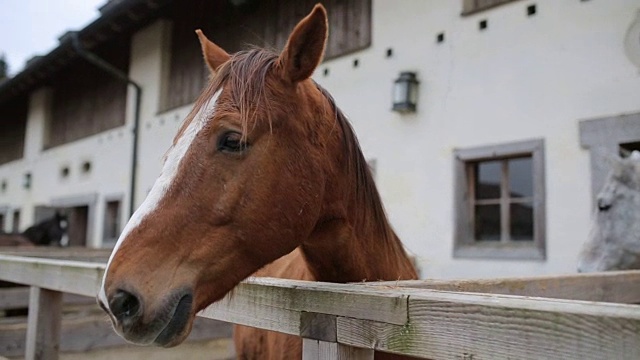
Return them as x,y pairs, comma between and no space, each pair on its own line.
26,181
405,92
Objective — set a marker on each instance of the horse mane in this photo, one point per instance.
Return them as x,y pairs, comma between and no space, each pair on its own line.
246,71
367,194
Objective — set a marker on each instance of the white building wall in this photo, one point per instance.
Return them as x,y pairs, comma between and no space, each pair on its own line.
521,78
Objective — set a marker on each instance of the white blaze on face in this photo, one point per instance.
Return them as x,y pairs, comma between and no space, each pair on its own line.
163,183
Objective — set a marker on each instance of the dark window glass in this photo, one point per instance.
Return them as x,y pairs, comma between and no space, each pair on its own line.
521,222
487,222
520,177
488,176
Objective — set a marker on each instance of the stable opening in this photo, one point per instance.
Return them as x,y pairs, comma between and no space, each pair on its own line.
440,38
111,229
78,218
625,149
531,10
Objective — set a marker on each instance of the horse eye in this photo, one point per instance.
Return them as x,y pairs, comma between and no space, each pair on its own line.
231,142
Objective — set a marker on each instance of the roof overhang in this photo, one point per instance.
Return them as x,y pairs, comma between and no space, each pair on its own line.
117,17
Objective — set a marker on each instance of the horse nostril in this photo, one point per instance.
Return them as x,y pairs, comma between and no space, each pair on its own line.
124,305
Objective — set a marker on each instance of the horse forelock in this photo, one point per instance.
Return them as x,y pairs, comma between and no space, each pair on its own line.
244,76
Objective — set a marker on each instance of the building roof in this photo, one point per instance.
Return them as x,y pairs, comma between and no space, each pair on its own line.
117,17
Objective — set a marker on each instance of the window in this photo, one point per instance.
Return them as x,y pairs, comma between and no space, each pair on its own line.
111,222
626,149
1,222
604,138
500,201
473,6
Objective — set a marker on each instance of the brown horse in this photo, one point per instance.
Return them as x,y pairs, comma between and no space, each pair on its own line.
265,175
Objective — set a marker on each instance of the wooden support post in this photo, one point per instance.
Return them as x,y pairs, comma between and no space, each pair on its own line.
319,340
43,331
323,350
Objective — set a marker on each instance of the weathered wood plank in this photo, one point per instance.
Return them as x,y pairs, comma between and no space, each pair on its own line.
428,323
445,325
318,326
614,286
67,253
43,332
18,298
14,298
323,350
76,277
277,304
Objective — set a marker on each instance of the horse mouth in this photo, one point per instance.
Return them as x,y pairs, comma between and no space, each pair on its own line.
174,331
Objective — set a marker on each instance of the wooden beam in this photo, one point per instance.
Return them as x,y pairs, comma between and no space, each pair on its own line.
323,350
43,332
76,277
18,298
612,286
278,304
424,323
61,253
446,325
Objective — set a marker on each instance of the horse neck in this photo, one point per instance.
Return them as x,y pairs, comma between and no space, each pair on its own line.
350,249
353,240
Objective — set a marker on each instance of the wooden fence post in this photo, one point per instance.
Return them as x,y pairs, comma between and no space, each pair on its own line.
43,326
319,340
323,350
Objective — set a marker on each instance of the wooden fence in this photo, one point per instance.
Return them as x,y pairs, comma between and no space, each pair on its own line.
563,317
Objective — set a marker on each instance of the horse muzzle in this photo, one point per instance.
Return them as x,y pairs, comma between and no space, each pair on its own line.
166,324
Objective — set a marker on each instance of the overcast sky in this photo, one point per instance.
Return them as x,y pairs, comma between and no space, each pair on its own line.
32,27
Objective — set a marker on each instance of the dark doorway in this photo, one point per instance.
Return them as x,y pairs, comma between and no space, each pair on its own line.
78,220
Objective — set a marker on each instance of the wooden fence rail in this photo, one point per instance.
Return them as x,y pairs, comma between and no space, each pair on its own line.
491,319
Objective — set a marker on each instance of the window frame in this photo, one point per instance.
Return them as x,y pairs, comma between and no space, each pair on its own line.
465,246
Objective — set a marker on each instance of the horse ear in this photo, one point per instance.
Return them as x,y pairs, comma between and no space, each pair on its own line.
305,46
213,54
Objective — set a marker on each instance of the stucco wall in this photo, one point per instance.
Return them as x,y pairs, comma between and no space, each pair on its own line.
521,78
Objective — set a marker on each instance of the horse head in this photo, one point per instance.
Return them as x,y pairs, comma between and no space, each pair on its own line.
244,183
614,239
